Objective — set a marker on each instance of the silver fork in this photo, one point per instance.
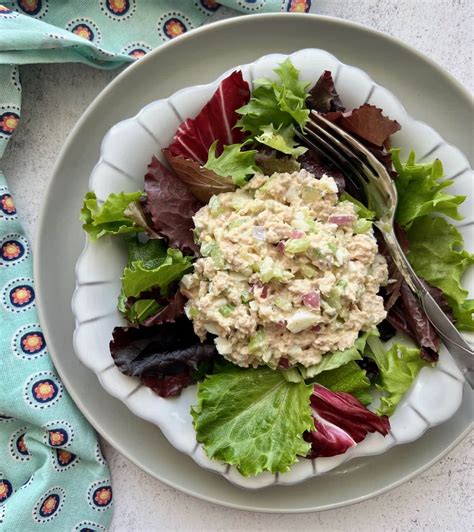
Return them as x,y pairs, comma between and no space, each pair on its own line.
360,165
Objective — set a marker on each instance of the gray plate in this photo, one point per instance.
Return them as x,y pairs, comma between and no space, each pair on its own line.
199,57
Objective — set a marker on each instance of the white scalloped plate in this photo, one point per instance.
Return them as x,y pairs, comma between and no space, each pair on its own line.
125,153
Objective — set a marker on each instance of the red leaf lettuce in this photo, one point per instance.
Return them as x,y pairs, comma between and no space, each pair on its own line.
171,206
165,357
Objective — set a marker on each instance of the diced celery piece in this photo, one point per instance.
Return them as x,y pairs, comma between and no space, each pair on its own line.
238,222
326,307
362,226
308,271
193,312
266,269
266,276
207,248
342,283
258,342
311,225
333,299
332,247
245,296
217,258
283,304
297,245
227,310
269,270
360,208
247,271
211,249
215,207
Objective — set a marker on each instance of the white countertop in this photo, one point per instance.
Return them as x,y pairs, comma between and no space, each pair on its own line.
54,96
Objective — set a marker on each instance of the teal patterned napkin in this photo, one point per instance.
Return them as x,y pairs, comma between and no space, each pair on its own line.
52,471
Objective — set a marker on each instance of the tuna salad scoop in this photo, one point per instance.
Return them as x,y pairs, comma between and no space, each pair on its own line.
288,272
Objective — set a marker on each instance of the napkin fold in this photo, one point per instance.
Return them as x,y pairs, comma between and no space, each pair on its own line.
53,474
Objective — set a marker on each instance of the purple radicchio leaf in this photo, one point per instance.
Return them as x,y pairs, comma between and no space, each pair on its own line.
215,121
341,422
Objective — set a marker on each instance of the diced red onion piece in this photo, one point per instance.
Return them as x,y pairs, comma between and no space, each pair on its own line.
259,232
283,363
341,219
297,234
258,285
281,324
316,328
280,247
312,299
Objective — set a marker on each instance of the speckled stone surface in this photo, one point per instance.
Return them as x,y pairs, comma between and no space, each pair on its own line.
55,96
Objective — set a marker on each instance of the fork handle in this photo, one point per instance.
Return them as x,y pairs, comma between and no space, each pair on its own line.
462,352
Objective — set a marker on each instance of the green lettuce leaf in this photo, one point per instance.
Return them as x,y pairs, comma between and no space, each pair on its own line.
141,310
253,419
279,104
138,278
437,255
361,209
232,162
151,254
108,218
339,358
398,368
463,314
269,162
420,191
136,212
349,378
281,139
436,247
289,77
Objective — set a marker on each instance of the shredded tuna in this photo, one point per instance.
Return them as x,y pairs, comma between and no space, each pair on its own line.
285,262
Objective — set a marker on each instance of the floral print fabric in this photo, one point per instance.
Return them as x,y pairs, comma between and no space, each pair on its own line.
53,475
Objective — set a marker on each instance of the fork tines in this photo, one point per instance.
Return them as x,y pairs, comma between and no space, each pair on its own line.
320,141
359,165
335,144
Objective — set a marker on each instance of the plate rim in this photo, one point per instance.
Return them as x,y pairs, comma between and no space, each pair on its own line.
464,94
81,286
